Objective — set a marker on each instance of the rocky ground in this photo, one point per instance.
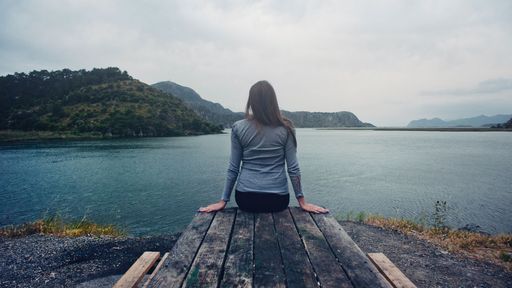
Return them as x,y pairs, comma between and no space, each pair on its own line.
49,261
425,264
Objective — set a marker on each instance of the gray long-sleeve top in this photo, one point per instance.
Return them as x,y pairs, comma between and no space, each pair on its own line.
262,152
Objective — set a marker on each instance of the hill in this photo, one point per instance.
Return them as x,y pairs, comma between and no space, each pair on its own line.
506,125
478,121
105,101
219,115
306,119
209,111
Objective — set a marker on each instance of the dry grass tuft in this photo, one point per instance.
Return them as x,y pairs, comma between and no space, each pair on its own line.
492,248
55,225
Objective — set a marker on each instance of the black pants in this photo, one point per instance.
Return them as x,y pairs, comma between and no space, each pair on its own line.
257,202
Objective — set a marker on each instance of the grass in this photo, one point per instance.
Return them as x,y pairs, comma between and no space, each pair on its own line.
492,248
55,225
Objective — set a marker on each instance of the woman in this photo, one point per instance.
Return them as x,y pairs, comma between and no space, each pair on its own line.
263,141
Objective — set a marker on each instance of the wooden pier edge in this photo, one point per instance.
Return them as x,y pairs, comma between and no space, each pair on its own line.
138,270
390,271
292,248
157,268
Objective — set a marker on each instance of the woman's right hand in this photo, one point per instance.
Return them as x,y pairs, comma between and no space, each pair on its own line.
213,207
311,207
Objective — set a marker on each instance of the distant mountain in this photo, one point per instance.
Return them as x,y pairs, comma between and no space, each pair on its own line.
478,121
105,101
209,111
306,119
216,113
506,125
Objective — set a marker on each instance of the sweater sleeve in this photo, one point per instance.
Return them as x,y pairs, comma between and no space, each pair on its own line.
293,166
233,167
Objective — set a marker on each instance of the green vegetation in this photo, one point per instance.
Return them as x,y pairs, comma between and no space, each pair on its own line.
207,110
17,135
493,248
55,225
193,280
104,102
506,257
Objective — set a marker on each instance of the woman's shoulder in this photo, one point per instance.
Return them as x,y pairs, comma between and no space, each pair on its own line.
240,122
241,126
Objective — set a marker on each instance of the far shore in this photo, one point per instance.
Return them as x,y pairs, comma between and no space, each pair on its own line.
16,135
7,136
433,129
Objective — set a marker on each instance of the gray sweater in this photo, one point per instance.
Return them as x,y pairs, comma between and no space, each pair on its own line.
262,152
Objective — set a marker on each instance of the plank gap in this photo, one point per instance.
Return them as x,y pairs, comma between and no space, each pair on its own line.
304,247
356,265
155,271
253,242
332,250
221,275
268,264
197,251
279,247
329,271
206,267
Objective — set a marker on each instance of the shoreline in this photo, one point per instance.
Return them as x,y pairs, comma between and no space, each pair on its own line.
98,261
16,136
440,129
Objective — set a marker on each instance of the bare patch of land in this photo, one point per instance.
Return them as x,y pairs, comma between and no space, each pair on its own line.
424,263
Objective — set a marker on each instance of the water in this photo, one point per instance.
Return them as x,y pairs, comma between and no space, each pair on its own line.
154,185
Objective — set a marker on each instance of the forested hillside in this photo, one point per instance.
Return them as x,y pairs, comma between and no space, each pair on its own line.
209,111
106,101
216,113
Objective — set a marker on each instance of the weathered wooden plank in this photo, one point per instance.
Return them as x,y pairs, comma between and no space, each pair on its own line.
268,269
238,269
206,268
155,271
357,266
390,271
138,270
298,269
324,262
175,267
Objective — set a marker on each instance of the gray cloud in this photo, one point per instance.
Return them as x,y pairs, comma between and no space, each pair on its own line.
371,58
490,86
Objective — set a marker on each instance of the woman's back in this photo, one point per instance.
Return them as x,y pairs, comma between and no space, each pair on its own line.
263,147
261,144
263,155
262,150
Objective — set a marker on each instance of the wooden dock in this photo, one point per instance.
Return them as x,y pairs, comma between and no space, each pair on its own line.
292,248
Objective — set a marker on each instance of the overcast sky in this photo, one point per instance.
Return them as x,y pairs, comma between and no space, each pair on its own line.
389,62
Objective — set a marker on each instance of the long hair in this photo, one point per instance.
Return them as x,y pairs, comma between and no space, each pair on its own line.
262,107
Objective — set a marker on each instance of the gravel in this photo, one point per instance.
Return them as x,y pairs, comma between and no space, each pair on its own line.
50,261
423,263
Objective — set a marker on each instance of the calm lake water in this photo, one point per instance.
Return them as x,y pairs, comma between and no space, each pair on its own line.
154,185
